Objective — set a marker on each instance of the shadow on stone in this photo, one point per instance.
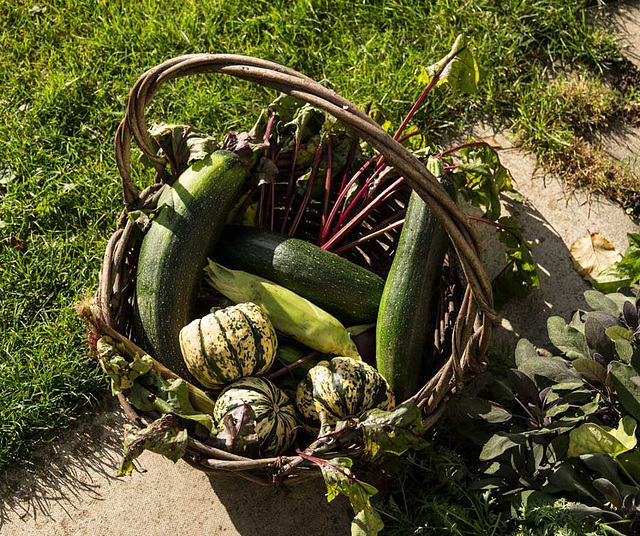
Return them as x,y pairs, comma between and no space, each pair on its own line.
65,470
301,509
561,288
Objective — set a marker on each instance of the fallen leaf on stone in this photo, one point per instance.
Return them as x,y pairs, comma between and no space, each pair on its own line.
490,141
593,253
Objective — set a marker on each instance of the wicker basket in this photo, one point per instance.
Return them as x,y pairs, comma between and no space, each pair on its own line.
470,332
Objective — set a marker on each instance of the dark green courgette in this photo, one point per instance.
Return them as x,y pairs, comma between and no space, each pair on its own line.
191,216
349,292
407,316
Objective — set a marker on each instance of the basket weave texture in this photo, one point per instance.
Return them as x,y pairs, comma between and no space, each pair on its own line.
471,331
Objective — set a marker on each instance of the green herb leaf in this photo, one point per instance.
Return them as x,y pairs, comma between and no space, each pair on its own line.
626,382
164,436
599,302
533,364
590,438
567,338
485,410
621,337
567,477
590,369
500,443
595,327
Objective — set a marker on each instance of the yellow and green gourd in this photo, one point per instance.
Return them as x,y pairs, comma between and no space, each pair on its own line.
276,422
229,344
340,388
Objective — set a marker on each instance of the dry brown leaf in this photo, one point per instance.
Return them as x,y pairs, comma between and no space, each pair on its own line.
592,253
490,141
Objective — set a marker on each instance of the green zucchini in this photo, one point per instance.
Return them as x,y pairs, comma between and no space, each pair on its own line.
407,316
349,292
192,213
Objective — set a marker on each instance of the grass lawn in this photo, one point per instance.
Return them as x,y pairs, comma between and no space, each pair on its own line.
66,69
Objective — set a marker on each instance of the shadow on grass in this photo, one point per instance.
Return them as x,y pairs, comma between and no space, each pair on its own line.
64,471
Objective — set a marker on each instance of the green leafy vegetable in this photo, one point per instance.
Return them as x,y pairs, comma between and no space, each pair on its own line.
458,69
626,382
481,177
123,372
164,436
394,431
237,431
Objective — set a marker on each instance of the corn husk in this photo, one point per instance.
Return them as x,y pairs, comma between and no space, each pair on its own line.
290,313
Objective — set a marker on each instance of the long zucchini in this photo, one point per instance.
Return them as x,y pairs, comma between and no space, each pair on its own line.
407,316
349,292
192,213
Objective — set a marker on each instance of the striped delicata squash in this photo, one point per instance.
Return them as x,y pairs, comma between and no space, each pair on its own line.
339,389
276,422
229,344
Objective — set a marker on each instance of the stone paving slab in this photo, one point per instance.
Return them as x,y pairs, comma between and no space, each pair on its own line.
76,493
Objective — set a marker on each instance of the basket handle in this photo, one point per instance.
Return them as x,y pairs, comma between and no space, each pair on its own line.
299,86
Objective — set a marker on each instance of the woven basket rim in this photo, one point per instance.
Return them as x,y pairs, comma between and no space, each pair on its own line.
472,328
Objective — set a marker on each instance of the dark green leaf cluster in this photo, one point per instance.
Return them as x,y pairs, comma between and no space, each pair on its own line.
480,178
565,425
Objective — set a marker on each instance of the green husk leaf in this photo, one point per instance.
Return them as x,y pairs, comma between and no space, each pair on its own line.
394,431
164,436
290,313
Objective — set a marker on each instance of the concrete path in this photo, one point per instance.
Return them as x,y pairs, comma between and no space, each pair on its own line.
76,493
553,217
73,492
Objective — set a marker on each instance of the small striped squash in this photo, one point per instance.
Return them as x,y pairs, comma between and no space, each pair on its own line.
229,344
276,422
341,388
